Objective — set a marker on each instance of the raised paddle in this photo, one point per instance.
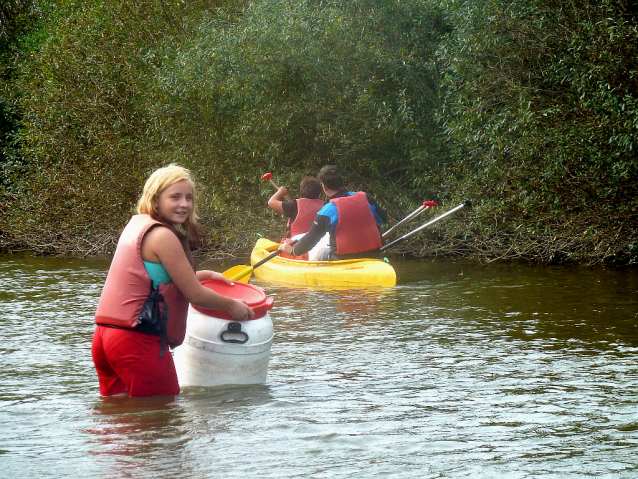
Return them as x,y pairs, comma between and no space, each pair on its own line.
464,205
415,214
268,176
243,273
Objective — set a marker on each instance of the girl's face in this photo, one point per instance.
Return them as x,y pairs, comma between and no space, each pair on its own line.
175,203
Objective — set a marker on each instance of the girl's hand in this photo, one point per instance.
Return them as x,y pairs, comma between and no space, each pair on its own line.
240,311
207,274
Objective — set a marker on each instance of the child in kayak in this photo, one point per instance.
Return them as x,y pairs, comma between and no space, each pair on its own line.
350,217
300,212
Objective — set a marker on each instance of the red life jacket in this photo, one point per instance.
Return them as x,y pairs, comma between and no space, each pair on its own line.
127,284
356,230
307,210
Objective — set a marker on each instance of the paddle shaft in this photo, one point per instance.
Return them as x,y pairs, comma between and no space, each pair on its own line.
267,258
250,269
415,214
267,177
453,210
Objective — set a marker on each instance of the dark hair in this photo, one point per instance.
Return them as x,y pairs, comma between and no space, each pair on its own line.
310,187
331,177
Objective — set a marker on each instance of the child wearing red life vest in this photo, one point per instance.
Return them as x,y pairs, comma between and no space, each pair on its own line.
300,212
153,264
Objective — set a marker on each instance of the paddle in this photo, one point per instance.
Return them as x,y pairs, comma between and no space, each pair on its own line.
243,273
415,214
239,273
465,204
268,176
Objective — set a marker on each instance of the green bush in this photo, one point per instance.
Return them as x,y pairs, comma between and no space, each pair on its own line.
540,107
290,86
527,107
81,93
119,88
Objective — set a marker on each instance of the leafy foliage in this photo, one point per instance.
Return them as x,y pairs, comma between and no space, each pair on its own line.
81,94
121,87
540,104
18,20
526,107
294,85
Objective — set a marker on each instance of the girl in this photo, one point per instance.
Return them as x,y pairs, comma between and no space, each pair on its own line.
153,262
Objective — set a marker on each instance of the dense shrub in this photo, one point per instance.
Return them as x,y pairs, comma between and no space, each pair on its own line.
290,86
18,20
526,107
84,125
121,87
541,108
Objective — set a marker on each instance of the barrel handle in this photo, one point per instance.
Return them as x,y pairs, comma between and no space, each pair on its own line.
234,329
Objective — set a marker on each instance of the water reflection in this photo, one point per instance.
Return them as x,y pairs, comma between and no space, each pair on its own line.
123,426
140,434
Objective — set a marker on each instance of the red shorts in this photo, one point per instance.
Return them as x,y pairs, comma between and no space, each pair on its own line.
128,361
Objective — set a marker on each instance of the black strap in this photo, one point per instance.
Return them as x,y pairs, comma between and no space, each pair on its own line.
153,321
164,326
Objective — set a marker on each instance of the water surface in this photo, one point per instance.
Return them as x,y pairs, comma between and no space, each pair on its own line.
462,370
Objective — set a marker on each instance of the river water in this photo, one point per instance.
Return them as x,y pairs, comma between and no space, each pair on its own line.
461,371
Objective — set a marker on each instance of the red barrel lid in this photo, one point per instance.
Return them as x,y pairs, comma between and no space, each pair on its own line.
253,296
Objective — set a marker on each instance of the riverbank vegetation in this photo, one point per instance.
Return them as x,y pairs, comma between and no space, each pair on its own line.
527,108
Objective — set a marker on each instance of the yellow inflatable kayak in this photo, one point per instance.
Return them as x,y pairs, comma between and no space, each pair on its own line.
350,272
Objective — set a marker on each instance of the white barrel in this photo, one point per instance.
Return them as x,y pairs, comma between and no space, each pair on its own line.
221,351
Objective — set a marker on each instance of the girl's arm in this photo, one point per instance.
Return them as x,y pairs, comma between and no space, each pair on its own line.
205,274
160,245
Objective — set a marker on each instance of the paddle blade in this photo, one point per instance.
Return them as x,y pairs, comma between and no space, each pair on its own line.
242,273
239,273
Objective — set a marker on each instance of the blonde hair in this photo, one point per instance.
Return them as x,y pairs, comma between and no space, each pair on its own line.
156,184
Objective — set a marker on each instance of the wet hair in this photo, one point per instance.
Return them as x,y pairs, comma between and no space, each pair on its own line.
156,183
310,187
331,177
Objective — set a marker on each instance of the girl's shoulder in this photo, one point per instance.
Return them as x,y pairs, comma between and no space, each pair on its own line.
157,240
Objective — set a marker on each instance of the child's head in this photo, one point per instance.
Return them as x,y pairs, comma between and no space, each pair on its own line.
331,177
160,180
310,187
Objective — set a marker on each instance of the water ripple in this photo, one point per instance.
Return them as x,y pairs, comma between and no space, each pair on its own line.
461,370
